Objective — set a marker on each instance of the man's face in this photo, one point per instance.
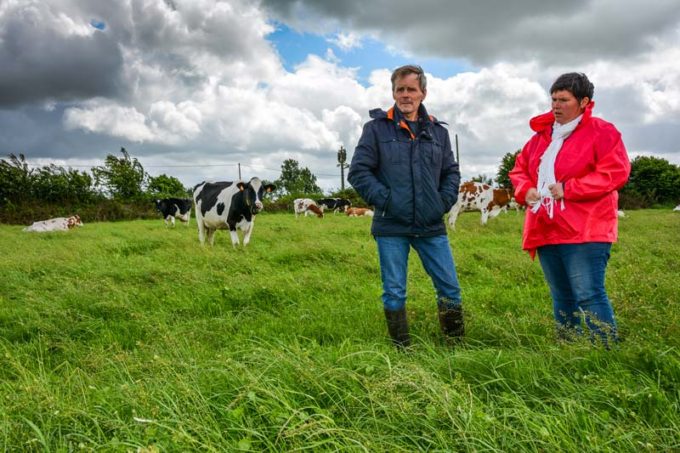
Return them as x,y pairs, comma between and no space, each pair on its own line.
408,95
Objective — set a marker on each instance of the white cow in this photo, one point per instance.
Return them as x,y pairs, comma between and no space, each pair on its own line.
56,224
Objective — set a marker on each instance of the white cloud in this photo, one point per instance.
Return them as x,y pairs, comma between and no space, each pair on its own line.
346,41
106,118
183,119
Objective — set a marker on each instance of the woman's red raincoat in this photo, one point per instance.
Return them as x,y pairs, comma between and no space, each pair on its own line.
592,164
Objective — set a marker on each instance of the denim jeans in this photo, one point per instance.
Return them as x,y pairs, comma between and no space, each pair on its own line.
435,254
575,274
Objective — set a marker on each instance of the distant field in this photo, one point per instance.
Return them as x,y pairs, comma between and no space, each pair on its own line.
129,336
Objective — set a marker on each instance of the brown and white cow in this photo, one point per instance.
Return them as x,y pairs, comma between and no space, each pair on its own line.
56,224
359,212
306,206
477,196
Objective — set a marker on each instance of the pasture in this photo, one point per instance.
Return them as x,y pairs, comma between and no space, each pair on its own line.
129,336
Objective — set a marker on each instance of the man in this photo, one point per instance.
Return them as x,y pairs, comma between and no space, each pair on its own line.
404,166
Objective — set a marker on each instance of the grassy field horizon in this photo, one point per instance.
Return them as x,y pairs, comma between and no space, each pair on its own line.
130,336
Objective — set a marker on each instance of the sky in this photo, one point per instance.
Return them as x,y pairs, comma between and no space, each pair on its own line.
193,88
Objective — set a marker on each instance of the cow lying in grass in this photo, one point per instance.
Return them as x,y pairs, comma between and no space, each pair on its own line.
359,212
56,224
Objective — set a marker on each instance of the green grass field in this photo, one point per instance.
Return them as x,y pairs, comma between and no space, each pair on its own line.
131,337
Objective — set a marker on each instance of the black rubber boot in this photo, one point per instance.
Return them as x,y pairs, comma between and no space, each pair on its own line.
397,325
451,321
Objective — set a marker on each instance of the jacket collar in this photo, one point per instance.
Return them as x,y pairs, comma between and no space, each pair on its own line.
543,123
395,115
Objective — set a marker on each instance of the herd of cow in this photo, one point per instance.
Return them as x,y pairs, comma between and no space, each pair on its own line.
234,205
307,206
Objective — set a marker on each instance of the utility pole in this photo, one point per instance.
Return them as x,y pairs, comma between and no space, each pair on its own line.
342,158
239,170
457,156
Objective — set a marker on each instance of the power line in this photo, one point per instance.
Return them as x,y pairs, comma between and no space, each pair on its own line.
181,166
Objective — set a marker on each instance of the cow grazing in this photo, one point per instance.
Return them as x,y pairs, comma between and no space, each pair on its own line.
359,212
334,204
307,207
56,224
232,205
175,207
476,196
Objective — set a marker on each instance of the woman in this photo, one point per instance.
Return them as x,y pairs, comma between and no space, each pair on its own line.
568,174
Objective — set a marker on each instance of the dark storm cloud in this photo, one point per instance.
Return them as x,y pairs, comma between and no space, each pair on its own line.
39,133
40,63
69,50
487,31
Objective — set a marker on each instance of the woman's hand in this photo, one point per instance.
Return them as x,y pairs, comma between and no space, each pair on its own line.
557,190
532,196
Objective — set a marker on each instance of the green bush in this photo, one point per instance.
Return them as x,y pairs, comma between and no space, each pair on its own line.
653,182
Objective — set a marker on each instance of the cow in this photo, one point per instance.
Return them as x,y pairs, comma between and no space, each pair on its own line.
56,224
226,204
359,212
306,206
477,196
334,204
677,208
175,207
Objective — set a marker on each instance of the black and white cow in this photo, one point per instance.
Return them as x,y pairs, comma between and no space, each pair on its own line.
334,204
175,207
222,205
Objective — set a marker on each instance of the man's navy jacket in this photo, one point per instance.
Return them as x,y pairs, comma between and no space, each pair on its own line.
409,176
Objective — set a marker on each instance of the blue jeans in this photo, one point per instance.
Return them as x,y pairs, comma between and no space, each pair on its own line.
575,274
435,254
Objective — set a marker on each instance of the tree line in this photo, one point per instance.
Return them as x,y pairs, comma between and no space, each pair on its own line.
119,190
122,190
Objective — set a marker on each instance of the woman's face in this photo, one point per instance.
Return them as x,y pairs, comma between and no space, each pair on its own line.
566,107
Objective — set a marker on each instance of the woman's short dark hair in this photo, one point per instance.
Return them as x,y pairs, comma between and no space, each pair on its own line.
410,69
576,83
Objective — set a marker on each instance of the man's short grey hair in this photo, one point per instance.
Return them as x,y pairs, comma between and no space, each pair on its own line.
410,69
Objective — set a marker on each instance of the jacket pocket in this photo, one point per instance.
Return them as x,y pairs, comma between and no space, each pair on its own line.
432,208
433,153
568,221
398,207
394,151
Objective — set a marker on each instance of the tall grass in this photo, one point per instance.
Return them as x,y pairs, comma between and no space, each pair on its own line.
130,336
